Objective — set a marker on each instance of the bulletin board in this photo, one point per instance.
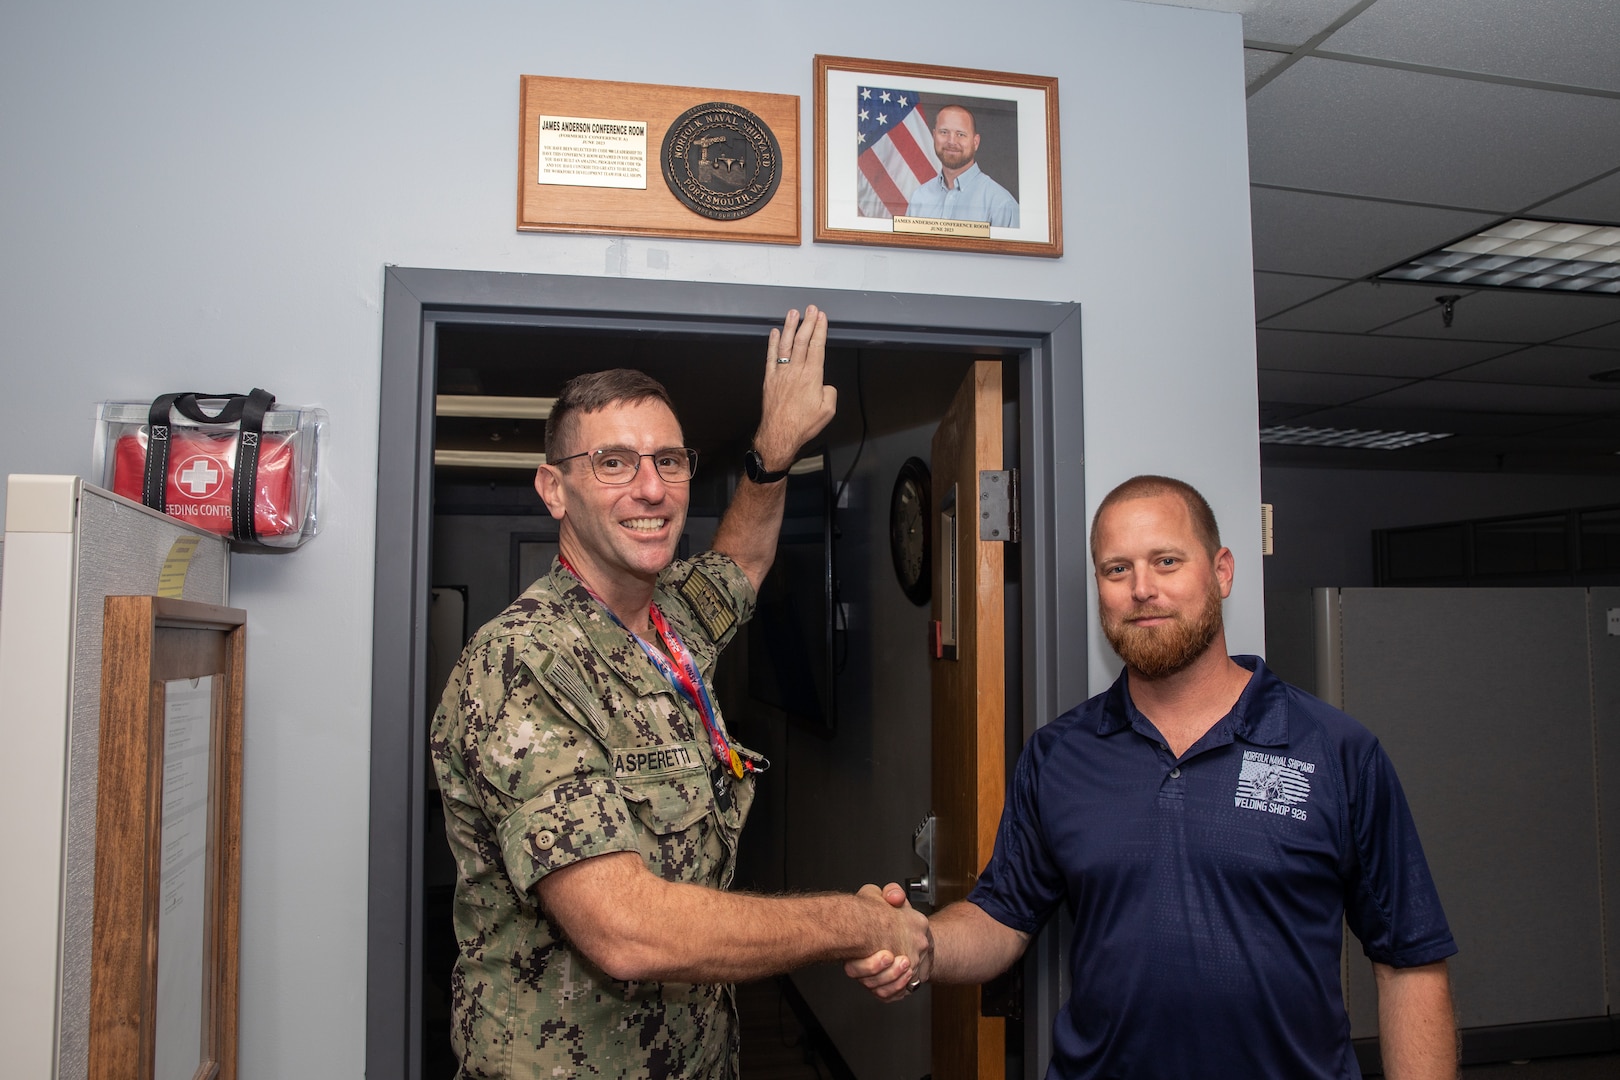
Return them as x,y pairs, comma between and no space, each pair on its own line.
163,986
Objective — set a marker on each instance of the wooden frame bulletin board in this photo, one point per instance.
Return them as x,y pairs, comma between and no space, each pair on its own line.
653,210
163,985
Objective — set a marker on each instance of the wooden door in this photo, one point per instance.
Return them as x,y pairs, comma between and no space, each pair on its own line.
969,701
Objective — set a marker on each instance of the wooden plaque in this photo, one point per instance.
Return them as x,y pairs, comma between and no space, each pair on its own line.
655,210
167,661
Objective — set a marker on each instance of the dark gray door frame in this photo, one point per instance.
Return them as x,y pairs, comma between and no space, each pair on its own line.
1044,338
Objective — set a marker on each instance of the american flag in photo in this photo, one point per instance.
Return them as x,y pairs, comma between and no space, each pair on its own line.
895,150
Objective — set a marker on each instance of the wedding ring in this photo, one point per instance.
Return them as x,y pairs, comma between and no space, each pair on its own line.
913,984
784,359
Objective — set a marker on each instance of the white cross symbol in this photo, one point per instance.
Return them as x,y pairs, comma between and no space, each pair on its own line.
199,476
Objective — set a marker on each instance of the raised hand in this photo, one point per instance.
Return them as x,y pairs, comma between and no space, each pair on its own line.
797,403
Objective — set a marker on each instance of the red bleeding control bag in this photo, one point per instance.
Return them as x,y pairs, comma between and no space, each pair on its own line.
207,459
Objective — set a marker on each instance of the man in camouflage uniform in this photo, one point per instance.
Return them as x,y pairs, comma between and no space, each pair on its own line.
592,795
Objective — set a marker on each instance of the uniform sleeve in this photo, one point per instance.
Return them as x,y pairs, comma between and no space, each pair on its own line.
1022,884
1393,906
543,781
707,599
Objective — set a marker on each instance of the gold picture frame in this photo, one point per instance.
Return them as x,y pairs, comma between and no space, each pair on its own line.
876,125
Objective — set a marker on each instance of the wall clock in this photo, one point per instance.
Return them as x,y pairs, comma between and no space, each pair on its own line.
911,530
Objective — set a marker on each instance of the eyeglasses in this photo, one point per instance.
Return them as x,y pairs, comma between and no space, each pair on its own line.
619,465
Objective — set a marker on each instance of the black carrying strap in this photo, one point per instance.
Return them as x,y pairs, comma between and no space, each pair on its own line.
247,412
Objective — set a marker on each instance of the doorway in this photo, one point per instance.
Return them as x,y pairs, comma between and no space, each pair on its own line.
882,347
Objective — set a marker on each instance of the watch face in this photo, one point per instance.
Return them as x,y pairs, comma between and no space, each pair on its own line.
910,535
754,466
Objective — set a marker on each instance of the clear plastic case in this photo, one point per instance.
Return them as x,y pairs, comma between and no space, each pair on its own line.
200,481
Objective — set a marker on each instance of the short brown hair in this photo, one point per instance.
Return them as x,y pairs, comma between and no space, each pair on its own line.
1148,487
973,120
596,391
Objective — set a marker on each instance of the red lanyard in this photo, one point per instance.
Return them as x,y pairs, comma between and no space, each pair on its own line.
683,675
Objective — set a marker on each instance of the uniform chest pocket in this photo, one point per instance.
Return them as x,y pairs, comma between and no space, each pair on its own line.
671,802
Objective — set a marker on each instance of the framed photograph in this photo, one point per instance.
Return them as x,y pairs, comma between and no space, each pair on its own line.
915,155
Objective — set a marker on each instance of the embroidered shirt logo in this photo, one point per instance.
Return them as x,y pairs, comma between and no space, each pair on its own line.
1274,784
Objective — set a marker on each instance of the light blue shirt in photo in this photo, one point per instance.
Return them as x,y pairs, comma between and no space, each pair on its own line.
975,197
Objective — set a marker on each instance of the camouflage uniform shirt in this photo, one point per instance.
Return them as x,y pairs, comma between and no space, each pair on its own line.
557,740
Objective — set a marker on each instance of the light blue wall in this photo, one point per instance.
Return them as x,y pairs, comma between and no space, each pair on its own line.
203,196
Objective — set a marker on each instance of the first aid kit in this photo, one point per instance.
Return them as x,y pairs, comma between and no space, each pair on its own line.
234,464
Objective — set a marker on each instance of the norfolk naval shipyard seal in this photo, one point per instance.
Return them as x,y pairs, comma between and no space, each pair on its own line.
722,161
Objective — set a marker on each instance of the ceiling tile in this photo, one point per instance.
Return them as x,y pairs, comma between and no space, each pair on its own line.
1607,428
1558,443
1428,457
1371,418
1593,454
1512,315
1359,166
1358,354
1384,132
1278,412
1290,22
1357,308
1597,201
1498,397
1310,388
1604,337
1544,365
1538,453
1279,292
1299,232
1256,62
1558,41
1469,444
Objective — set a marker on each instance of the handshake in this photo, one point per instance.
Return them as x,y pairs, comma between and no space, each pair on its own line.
958,944
906,963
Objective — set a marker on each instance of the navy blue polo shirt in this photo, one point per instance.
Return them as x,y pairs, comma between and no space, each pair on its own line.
1208,890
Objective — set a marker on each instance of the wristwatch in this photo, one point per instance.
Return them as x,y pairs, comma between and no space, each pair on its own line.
754,466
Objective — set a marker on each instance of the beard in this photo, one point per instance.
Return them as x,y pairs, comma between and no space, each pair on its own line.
1157,651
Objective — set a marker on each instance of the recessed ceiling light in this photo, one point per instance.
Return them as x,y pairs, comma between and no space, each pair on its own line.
1283,435
1524,253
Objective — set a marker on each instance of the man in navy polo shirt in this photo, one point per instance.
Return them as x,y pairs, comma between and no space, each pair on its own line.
1210,828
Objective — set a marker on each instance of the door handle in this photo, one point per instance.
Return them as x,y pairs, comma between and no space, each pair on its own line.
921,889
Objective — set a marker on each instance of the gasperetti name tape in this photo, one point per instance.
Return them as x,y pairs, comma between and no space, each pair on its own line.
652,760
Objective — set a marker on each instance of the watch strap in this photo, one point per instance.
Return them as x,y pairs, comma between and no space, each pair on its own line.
754,465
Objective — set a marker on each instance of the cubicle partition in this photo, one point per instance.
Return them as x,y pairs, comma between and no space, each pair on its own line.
1501,711
68,546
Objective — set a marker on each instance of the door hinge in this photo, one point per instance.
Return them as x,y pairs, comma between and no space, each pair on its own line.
1004,994
998,505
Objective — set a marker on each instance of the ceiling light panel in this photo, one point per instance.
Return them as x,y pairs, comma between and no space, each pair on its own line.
1285,435
1524,253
